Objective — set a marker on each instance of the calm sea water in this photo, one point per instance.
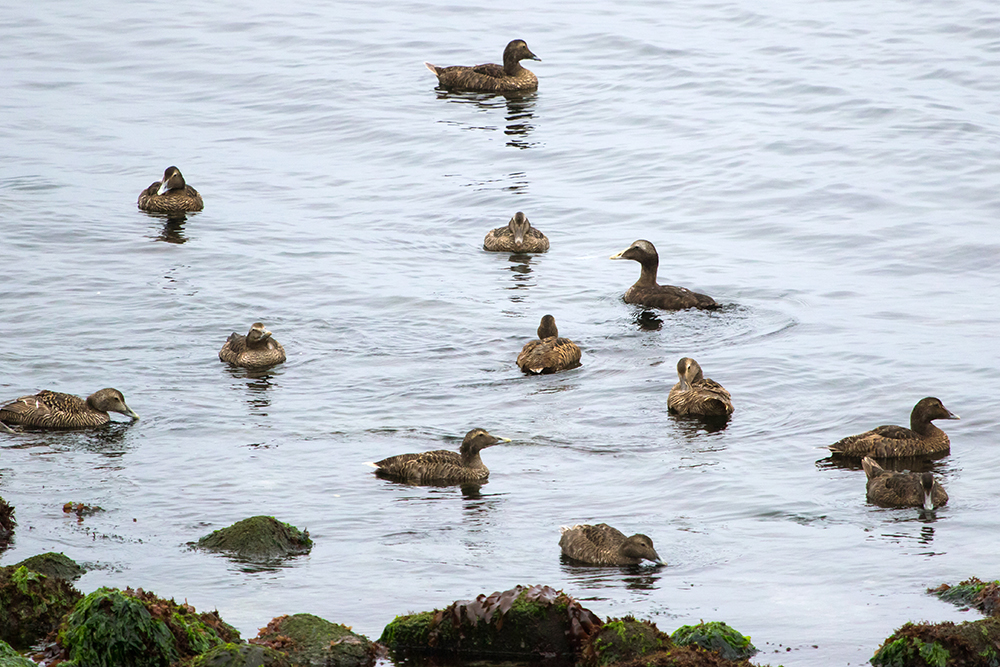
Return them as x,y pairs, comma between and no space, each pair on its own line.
828,170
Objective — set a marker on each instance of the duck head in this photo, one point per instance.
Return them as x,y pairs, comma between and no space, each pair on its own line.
689,372
257,335
110,400
172,180
641,546
477,440
547,328
516,50
519,227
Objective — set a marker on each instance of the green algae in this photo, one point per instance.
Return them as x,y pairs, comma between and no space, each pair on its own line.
259,538
623,639
31,605
241,655
7,523
11,658
981,595
941,645
715,636
53,564
311,641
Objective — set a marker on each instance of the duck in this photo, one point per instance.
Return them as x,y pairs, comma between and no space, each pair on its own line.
549,353
646,291
603,545
516,236
56,410
491,78
902,489
696,394
442,466
170,195
921,438
255,350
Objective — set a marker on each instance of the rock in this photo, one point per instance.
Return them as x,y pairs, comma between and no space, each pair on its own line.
521,622
311,641
241,655
53,564
941,645
31,605
7,523
11,658
259,538
981,595
111,627
622,639
715,636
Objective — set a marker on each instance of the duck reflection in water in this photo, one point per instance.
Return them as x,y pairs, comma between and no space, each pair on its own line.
647,320
258,384
520,110
173,228
520,267
925,463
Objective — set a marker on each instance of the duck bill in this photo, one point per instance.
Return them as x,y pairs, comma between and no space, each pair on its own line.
163,188
534,57
132,413
952,415
518,236
498,441
658,560
928,501
619,254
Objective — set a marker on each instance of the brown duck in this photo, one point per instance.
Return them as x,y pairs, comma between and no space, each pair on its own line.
647,292
698,395
921,438
171,195
55,410
255,350
603,545
442,466
517,236
491,78
902,489
549,353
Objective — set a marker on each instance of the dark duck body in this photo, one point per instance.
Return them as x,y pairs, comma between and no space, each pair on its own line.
698,395
517,236
902,489
171,195
647,292
442,466
491,78
55,410
603,545
255,350
549,353
921,438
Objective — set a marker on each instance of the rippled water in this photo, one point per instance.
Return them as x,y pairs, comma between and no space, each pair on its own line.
827,170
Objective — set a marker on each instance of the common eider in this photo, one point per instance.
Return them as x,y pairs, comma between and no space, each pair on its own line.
53,409
442,466
921,438
255,350
491,78
171,195
646,291
549,353
698,395
902,489
603,545
516,236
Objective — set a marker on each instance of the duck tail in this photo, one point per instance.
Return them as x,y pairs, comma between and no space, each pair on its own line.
372,464
432,68
872,469
6,429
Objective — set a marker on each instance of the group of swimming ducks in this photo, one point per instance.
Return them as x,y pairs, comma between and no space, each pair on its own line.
693,394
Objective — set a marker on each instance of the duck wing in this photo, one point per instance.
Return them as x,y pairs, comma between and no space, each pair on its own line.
490,69
233,348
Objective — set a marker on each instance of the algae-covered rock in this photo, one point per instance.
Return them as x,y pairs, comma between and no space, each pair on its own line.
7,523
942,645
526,622
110,627
11,658
31,605
621,639
241,655
981,595
259,538
53,564
311,641
715,636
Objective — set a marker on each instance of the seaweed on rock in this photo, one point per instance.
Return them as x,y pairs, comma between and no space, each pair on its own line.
622,639
11,658
31,605
259,538
942,645
53,564
310,641
715,636
981,595
241,655
7,523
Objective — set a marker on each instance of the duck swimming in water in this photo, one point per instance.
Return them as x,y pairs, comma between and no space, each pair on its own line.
647,292
491,78
442,466
603,545
698,395
517,236
902,489
549,353
255,350
171,195
55,410
921,438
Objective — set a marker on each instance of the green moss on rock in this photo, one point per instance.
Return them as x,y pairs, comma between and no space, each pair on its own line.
942,645
31,605
623,639
311,641
11,658
981,595
259,538
7,523
52,564
241,655
715,636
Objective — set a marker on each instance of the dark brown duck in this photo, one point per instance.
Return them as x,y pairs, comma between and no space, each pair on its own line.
921,438
517,236
549,353
442,466
55,410
603,545
698,395
647,292
255,350
902,489
491,78
171,195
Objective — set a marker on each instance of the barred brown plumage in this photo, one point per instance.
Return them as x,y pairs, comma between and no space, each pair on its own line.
491,78
698,395
255,350
921,438
55,410
887,488
516,236
442,465
601,544
647,292
171,195
549,353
